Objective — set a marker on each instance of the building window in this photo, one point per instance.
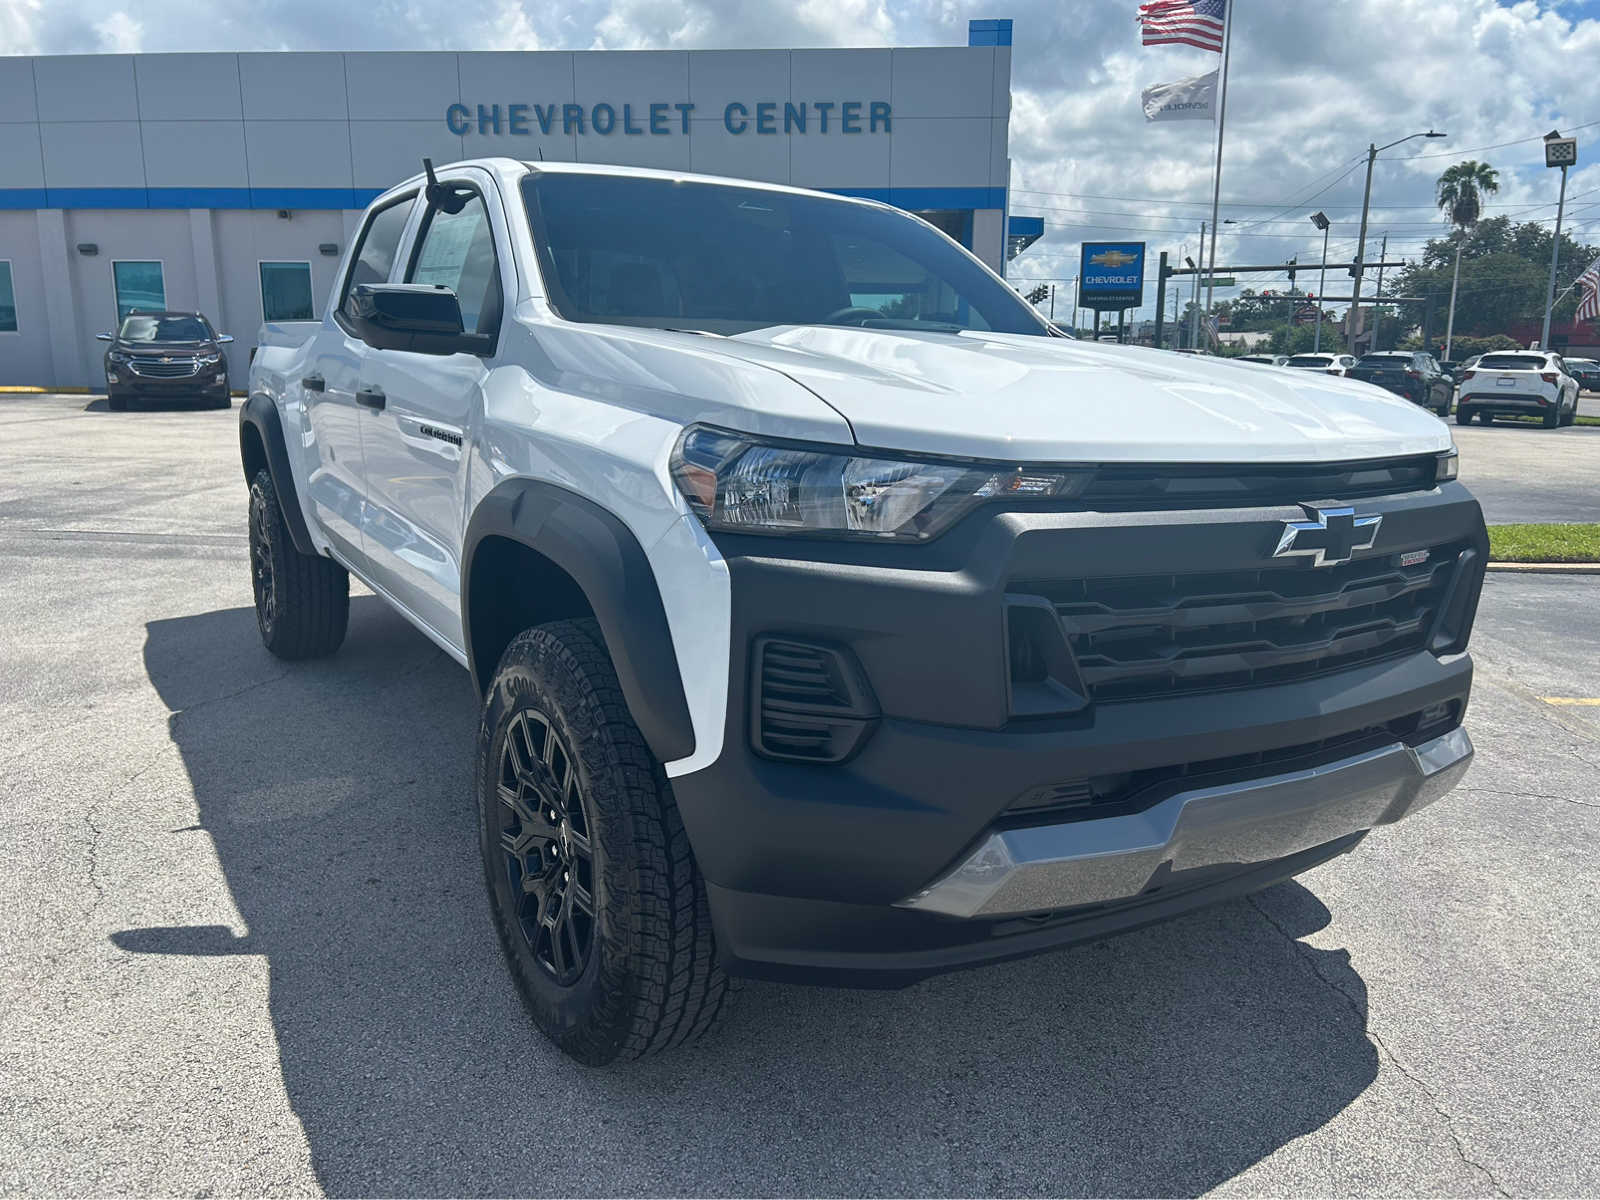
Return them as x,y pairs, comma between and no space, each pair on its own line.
138,285
8,299
286,291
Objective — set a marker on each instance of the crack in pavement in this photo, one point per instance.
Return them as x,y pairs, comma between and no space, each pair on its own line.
96,831
1528,796
1301,952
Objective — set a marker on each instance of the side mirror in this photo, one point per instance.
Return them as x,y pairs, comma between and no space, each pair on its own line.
224,338
420,317
104,337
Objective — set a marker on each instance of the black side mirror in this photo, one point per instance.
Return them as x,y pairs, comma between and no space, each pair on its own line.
420,317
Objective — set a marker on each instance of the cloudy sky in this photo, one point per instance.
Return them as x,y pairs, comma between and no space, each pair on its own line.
1313,82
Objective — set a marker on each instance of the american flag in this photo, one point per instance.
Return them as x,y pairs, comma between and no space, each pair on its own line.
1589,293
1191,22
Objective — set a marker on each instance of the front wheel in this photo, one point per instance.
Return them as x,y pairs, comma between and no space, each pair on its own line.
599,905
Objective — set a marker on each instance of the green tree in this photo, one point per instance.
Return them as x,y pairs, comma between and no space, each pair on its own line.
1460,195
1503,272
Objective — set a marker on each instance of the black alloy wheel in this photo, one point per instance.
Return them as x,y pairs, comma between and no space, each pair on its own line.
263,579
545,838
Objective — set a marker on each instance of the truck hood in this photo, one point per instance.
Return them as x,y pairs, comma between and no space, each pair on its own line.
1034,399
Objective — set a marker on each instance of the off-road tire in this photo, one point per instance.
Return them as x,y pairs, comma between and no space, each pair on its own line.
650,979
302,600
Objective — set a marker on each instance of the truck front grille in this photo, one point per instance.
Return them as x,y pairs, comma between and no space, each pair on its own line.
1140,637
152,368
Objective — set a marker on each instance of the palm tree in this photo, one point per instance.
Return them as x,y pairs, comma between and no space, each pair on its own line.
1460,197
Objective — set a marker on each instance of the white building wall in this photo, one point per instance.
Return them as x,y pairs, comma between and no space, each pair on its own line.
188,158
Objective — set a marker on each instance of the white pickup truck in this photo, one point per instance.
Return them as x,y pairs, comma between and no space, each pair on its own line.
835,617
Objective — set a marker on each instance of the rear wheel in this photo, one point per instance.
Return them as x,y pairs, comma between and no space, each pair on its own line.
302,600
599,905
1554,416
1486,418
1463,415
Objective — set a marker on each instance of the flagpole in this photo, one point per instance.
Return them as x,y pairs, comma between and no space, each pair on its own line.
1222,117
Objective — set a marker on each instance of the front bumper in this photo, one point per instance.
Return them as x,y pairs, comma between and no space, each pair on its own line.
834,871
127,383
1045,867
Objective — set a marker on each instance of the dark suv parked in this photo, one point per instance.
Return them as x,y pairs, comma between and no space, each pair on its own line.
1586,371
1414,375
166,354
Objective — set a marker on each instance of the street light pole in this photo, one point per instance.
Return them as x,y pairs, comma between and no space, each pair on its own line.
1558,152
1194,294
1320,220
1361,239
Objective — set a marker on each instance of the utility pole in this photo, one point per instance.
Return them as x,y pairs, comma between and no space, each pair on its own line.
1377,301
1052,303
1074,304
1194,294
1558,152
1320,220
1361,239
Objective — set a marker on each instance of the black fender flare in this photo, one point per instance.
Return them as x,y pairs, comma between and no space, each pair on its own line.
605,560
261,414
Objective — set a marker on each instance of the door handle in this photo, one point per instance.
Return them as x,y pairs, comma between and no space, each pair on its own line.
314,383
371,397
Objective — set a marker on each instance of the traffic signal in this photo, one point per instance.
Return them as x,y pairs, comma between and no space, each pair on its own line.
1354,268
1293,262
1038,294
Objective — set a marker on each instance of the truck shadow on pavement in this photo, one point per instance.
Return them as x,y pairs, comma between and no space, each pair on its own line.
1164,1061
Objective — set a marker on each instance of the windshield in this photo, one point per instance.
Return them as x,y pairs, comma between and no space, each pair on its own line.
1310,360
1512,362
725,259
165,329
1385,360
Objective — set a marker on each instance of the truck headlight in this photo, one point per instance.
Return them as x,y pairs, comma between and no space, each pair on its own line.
1448,468
209,360
739,484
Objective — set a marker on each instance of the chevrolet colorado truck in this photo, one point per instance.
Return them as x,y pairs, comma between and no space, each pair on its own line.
834,616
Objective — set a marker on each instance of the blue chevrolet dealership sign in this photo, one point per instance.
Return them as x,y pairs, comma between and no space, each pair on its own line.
661,118
1111,275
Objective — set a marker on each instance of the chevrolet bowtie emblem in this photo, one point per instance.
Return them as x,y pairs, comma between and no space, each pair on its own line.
1331,538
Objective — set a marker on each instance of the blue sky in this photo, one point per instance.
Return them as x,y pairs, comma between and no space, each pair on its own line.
1313,82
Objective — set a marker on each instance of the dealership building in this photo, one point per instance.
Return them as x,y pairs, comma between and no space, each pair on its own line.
231,183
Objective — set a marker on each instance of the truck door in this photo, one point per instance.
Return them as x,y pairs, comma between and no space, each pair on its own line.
416,414
336,478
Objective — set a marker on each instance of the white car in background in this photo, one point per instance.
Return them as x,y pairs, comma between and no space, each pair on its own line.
1328,364
1266,360
1518,383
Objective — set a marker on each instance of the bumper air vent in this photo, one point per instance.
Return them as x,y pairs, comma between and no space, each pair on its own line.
809,703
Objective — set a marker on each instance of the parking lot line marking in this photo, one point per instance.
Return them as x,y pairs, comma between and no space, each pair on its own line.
1579,701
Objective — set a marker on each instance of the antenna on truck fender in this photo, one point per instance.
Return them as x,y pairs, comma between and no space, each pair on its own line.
441,195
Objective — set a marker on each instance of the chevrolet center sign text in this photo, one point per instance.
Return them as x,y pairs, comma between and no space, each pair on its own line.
663,118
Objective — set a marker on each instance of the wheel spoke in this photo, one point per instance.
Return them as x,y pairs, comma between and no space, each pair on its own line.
581,899
517,754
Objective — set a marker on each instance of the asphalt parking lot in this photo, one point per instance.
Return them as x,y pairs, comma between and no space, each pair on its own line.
1523,472
243,946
